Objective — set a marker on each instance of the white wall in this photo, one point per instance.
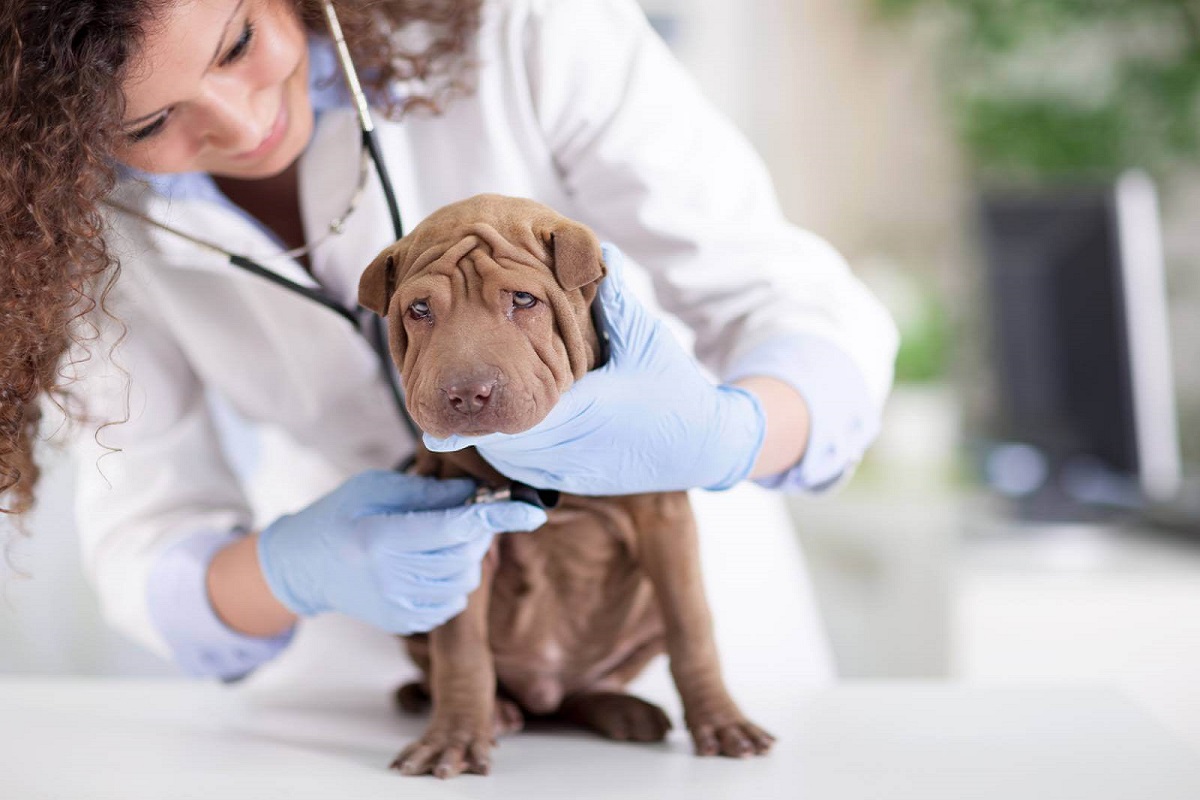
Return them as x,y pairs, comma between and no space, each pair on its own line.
846,113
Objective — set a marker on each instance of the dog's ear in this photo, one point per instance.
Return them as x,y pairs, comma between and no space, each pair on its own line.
378,282
578,260
375,290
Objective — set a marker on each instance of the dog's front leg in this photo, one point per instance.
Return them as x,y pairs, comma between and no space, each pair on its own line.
669,552
462,681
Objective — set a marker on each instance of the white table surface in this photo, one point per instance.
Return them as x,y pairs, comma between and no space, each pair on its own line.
82,739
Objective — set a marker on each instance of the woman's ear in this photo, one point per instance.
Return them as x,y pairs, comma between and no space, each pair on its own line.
578,260
378,282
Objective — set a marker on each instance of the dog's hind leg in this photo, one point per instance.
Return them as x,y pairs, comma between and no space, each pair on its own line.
414,698
617,715
669,552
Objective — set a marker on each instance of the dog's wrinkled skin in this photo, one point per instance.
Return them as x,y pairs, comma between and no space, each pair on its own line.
487,302
487,305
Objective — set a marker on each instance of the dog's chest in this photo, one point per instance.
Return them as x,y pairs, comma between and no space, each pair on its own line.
569,601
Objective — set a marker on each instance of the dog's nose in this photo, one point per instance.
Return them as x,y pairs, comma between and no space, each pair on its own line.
470,396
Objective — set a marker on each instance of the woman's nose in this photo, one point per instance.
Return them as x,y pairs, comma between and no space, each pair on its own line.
232,122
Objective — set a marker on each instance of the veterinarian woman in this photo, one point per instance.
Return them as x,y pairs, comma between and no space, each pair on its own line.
167,136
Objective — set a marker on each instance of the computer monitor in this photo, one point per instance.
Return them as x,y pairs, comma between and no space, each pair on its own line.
1085,408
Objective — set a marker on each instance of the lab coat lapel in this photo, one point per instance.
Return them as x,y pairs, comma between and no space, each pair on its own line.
280,339
205,222
261,344
328,175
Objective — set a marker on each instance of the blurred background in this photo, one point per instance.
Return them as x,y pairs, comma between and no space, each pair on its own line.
1019,182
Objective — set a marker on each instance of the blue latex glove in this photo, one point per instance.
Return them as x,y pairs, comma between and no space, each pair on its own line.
396,551
647,421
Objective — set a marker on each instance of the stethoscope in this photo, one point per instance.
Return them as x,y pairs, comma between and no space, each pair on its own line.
376,336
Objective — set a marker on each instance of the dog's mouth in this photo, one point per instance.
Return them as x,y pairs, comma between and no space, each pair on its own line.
483,431
600,326
443,428
457,407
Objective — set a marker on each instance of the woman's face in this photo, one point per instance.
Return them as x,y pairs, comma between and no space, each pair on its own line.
218,86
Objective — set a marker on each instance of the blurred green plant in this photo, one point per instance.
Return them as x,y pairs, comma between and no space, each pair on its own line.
1069,89
924,343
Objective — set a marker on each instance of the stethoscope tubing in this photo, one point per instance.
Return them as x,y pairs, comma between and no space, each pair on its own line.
374,332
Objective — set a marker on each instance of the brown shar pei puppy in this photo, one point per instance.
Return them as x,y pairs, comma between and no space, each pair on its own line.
487,303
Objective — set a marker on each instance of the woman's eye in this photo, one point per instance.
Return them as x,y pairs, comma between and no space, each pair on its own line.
419,309
141,134
240,46
524,300
239,49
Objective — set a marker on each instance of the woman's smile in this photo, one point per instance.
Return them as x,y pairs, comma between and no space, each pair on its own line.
205,80
272,140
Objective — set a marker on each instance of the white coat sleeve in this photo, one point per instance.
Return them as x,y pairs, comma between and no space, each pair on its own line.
654,168
155,495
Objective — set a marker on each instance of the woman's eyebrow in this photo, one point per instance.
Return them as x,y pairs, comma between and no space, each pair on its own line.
224,31
216,55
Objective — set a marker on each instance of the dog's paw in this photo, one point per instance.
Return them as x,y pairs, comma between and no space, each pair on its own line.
738,738
446,755
413,698
508,717
618,716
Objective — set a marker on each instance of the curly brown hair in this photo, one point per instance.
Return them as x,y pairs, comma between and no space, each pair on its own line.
62,64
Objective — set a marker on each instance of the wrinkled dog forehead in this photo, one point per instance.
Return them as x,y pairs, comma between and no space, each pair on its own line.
478,253
514,228
496,233
517,230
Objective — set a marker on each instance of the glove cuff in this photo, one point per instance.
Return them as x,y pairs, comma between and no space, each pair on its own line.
274,569
741,434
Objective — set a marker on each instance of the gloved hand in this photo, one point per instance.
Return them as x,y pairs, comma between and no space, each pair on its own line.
396,551
647,421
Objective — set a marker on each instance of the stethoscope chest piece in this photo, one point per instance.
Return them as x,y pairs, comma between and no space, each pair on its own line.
546,499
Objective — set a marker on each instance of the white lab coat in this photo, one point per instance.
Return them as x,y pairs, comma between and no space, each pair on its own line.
579,106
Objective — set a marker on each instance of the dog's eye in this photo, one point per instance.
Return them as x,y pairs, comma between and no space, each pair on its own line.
524,300
419,309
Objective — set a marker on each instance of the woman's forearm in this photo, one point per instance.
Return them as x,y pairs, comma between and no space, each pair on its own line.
787,424
239,593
